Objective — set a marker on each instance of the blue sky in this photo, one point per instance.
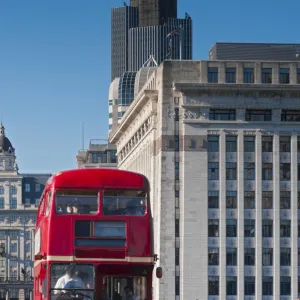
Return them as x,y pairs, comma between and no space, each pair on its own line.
55,65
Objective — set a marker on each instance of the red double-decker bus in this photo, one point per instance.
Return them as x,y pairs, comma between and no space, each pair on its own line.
94,237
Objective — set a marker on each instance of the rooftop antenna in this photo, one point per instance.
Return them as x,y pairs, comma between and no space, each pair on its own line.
82,135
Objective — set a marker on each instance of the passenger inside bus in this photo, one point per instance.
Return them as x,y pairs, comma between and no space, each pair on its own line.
130,203
72,202
72,280
68,281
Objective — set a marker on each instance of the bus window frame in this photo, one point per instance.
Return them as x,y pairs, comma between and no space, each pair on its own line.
48,202
147,205
53,209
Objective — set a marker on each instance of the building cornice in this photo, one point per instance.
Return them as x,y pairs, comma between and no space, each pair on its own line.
135,108
236,87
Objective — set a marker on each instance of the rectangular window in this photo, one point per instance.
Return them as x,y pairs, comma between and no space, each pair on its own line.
285,256
124,202
249,75
14,234
109,229
231,256
13,247
231,143
249,171
249,144
213,171
249,226
285,200
267,286
27,201
285,144
94,157
213,199
290,116
298,81
285,228
258,115
37,187
249,285
249,200
27,248
284,76
267,144
267,171
213,228
1,202
249,256
267,200
213,143
267,228
266,75
212,75
213,256
231,285
222,114
230,75
213,285
267,256
13,203
27,187
231,227
231,171
231,199
76,202
285,285
285,172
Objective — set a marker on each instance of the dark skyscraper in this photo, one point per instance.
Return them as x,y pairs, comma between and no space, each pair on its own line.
122,19
148,28
155,12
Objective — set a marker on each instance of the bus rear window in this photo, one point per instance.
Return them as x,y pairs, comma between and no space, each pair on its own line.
76,202
130,203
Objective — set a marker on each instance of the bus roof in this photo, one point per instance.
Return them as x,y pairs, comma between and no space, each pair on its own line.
98,178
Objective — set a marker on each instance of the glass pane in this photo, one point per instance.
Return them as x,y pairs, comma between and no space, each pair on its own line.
72,281
125,288
76,202
130,203
110,229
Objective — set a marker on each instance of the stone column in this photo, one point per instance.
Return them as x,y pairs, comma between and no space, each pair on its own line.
275,74
257,75
276,217
240,218
222,219
293,73
294,218
240,72
258,216
221,73
203,72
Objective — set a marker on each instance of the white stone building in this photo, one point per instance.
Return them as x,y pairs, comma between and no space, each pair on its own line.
98,155
220,144
19,197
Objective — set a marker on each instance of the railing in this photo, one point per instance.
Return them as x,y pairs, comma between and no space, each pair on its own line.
16,279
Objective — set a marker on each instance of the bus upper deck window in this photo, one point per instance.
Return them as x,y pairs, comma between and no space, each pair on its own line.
76,202
130,203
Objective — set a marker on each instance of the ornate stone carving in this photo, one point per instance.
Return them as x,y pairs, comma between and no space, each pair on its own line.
191,114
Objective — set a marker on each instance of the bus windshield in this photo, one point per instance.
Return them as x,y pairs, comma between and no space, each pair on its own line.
76,202
70,280
130,203
116,288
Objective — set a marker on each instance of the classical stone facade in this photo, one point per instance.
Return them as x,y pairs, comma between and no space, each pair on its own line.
19,197
220,144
